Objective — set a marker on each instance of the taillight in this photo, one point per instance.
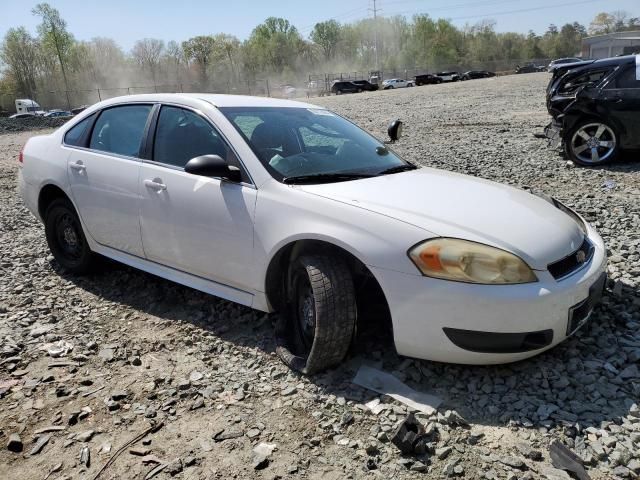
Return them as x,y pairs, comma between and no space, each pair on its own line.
21,156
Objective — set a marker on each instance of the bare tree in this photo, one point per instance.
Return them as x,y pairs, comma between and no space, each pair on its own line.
147,53
20,53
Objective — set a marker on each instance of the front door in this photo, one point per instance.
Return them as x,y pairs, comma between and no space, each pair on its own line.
199,225
103,176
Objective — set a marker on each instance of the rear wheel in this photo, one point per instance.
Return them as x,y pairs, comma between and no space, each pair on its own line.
318,327
66,239
591,143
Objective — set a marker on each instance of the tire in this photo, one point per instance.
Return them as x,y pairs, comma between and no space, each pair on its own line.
359,90
597,138
66,239
338,92
316,331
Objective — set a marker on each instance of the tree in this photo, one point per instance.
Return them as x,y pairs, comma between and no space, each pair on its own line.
274,45
54,35
227,49
147,53
327,35
602,24
20,52
175,58
200,49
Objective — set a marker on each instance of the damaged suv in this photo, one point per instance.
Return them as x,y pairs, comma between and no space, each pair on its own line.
595,107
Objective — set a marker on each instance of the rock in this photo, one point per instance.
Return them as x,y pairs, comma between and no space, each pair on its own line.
106,354
135,361
184,384
197,403
195,376
253,433
549,472
443,452
528,452
40,443
227,435
15,443
418,466
118,395
174,467
512,461
288,391
84,436
139,451
261,454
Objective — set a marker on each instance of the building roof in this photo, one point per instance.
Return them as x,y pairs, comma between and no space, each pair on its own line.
629,35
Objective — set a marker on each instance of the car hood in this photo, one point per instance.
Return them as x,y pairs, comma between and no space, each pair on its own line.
448,204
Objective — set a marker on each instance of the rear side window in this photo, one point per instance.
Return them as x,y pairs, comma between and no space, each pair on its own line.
120,130
626,79
75,135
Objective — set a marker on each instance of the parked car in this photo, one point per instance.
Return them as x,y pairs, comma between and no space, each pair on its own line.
342,86
529,68
448,76
396,83
22,115
426,79
473,74
562,61
58,113
365,85
285,206
595,110
78,110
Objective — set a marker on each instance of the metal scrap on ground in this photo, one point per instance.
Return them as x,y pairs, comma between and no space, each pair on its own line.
386,384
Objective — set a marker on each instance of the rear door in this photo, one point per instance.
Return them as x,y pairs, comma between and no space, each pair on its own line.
621,99
196,224
103,174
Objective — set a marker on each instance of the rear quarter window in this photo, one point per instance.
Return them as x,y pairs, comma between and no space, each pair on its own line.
75,135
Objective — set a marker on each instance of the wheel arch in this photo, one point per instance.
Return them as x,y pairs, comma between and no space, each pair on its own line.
275,278
48,193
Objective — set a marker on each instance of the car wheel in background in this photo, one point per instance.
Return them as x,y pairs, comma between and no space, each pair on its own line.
66,239
338,92
591,142
317,329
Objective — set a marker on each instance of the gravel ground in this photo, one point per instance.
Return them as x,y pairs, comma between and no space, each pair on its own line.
146,351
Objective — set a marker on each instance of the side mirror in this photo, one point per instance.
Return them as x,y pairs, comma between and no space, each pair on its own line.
212,166
395,130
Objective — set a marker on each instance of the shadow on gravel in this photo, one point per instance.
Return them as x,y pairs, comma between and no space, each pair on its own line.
589,379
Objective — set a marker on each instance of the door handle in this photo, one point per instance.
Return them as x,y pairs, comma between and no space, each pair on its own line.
155,184
78,166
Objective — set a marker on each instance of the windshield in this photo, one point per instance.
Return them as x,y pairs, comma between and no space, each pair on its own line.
297,142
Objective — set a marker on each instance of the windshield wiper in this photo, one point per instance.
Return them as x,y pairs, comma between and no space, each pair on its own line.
325,177
398,169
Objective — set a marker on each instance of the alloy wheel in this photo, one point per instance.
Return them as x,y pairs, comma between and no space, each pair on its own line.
593,143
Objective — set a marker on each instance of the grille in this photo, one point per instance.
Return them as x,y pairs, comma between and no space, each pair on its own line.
571,263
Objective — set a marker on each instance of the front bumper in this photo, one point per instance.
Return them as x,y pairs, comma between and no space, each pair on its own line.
423,308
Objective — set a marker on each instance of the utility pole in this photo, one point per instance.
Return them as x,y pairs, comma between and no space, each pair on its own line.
375,31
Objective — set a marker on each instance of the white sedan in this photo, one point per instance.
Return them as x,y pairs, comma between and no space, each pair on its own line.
285,206
397,83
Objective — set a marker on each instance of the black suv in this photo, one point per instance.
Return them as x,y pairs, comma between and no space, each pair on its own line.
473,74
339,87
365,85
595,106
426,79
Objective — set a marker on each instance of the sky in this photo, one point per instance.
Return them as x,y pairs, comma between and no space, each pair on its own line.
129,20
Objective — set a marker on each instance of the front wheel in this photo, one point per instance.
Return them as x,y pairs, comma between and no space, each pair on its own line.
66,239
591,143
318,327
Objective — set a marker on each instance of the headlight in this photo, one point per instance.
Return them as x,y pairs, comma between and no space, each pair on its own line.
466,261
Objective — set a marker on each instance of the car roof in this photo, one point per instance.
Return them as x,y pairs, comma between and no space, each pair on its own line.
217,100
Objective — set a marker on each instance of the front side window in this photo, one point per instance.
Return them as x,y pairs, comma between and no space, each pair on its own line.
120,130
590,78
293,142
182,135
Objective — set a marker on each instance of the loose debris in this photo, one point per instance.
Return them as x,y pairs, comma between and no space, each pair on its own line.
387,384
565,459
